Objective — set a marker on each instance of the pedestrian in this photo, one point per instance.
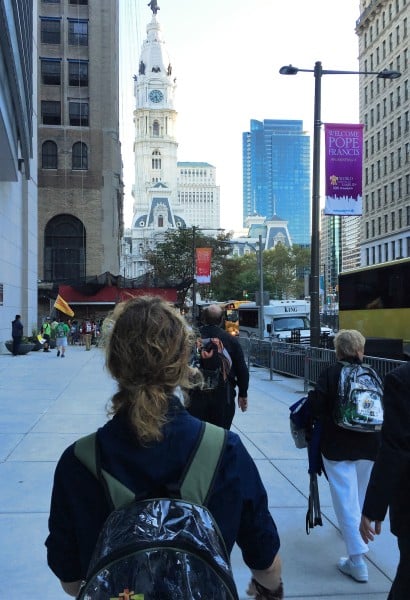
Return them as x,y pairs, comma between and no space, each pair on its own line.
62,331
46,332
146,445
348,456
16,334
218,407
389,485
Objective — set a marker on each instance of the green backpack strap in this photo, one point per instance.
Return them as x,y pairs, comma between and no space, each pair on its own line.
197,481
87,451
202,468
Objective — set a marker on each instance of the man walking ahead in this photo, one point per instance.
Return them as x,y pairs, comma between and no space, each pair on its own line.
61,330
16,333
217,406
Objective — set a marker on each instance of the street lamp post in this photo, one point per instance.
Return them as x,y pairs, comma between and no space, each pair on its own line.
318,71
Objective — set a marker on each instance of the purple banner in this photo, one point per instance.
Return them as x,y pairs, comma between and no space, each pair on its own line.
343,165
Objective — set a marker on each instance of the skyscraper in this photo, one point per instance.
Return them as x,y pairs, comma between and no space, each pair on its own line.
276,177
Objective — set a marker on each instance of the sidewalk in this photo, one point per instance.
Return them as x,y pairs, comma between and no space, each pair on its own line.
46,403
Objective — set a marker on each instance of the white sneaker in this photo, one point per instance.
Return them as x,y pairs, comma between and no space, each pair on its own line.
357,572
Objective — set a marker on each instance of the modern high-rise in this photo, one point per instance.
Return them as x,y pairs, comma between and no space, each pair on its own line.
383,32
18,166
80,188
276,174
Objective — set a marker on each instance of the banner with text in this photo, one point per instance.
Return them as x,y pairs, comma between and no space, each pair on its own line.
343,166
203,265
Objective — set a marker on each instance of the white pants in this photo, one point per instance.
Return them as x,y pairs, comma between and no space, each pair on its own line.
348,480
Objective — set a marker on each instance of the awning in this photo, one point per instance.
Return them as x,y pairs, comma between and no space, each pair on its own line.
111,295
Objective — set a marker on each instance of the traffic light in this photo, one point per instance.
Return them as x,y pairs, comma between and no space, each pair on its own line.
245,293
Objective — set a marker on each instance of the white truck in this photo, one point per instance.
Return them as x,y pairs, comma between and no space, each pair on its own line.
282,319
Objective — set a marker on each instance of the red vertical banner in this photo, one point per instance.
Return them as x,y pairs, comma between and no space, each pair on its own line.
203,264
344,167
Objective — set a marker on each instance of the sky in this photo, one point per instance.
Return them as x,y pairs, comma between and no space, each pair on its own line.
226,55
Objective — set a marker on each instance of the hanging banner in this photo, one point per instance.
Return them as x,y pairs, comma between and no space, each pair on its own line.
203,265
343,166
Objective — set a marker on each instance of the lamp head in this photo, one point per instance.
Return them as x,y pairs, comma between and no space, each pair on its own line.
386,74
288,70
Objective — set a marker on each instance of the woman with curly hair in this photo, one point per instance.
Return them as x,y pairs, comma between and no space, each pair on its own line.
146,446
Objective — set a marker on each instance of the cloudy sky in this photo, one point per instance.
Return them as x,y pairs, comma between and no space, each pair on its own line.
226,56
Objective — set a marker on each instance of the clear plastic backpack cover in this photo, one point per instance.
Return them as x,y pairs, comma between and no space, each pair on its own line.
160,549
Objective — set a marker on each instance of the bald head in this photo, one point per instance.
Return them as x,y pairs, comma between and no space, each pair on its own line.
213,315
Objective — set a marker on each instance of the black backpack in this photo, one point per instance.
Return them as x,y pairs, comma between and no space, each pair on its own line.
213,361
161,548
359,404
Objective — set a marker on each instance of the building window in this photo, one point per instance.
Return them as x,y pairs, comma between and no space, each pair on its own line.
160,221
78,73
155,129
82,2
50,31
50,112
49,155
156,160
64,249
77,32
51,1
79,157
78,113
50,71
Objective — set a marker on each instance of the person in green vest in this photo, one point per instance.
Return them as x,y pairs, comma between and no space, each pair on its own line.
46,332
61,332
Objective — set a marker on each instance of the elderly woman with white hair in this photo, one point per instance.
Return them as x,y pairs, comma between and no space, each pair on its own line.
348,456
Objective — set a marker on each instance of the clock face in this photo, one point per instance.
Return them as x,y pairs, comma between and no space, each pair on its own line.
156,96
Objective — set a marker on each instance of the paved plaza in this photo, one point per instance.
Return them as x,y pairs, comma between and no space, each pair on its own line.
46,403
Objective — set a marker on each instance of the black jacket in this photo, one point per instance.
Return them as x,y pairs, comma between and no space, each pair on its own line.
239,374
16,328
390,480
338,443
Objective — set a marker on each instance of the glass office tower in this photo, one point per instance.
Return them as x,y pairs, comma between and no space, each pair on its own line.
276,174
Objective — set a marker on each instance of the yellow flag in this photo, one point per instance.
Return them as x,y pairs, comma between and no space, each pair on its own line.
62,305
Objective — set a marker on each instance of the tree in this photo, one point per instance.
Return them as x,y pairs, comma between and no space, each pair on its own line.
173,257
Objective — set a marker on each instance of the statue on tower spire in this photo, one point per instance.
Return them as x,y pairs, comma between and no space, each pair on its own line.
153,6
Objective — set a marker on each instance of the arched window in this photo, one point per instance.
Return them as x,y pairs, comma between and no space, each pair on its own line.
49,155
79,160
160,221
155,129
64,249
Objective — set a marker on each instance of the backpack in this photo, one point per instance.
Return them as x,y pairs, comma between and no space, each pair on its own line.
161,548
300,422
359,403
60,330
213,361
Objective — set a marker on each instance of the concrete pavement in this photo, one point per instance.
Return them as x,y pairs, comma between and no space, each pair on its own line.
47,402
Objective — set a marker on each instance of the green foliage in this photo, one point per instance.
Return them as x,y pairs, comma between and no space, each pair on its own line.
283,273
173,257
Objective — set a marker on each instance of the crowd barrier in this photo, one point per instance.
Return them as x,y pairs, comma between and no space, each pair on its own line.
297,360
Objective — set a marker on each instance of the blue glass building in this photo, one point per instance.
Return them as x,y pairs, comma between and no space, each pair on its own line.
276,174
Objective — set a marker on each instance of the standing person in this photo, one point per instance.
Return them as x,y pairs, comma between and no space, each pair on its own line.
146,445
46,332
218,406
16,334
61,332
348,456
389,484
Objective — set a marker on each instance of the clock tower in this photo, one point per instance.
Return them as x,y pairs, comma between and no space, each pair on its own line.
155,145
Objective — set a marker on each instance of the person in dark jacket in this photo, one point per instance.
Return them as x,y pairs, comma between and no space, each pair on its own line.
389,484
218,406
16,334
146,446
348,456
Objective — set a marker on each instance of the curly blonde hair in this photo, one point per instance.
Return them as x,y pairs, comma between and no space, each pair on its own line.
148,348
